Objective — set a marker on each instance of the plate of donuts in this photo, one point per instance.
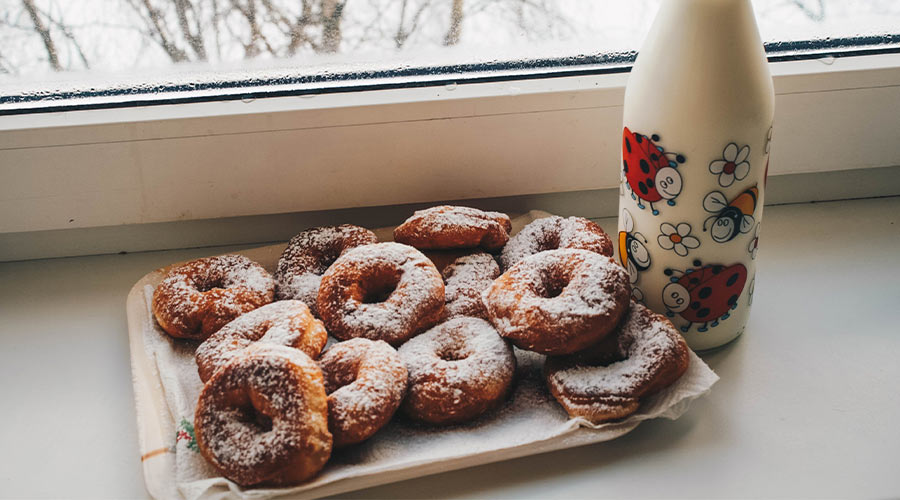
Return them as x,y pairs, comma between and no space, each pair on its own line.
348,357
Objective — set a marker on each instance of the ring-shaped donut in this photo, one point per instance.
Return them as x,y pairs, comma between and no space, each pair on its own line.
365,382
286,322
558,301
309,254
445,227
458,370
385,291
263,418
550,233
608,381
197,298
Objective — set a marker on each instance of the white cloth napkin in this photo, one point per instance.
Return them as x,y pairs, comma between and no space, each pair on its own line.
530,422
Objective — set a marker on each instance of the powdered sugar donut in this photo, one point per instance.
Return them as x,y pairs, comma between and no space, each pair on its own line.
554,232
263,418
464,280
365,382
309,254
608,381
458,370
287,322
558,301
199,297
385,291
447,226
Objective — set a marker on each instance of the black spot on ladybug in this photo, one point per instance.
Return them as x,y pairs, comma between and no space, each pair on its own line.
650,183
655,137
732,300
642,187
702,313
668,272
625,166
695,281
627,145
732,279
645,167
695,305
654,156
697,262
680,158
717,269
639,138
705,292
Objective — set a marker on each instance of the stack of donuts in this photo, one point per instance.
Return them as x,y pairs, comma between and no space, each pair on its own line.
426,325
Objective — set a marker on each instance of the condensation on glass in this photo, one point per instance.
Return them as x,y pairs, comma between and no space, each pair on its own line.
139,50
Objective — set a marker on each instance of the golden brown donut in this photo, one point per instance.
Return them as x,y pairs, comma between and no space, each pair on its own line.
464,280
550,233
458,370
608,381
195,299
287,322
445,226
263,418
365,382
309,254
385,291
558,301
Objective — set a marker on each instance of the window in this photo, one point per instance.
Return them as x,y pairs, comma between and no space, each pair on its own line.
59,54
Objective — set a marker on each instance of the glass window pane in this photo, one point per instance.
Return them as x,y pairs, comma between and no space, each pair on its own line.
54,49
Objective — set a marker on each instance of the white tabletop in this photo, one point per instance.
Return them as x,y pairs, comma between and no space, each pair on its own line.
807,405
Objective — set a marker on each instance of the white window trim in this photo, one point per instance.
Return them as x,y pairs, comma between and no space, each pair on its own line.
111,167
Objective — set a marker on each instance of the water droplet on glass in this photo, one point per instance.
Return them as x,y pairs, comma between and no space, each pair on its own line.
307,96
247,100
451,86
828,60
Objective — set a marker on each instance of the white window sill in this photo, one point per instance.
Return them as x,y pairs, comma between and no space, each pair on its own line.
100,168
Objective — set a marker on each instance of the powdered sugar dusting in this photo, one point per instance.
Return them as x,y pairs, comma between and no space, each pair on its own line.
647,346
366,381
196,299
415,303
464,280
555,232
309,254
557,293
281,383
448,226
457,370
288,323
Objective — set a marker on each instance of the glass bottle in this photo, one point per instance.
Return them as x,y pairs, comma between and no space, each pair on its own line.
697,124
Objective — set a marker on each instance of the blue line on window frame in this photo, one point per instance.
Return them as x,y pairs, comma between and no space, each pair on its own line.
583,65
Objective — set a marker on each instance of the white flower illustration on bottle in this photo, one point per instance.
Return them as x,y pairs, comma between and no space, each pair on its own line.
677,238
733,164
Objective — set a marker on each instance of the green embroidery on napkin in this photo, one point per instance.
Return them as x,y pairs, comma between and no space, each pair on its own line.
186,433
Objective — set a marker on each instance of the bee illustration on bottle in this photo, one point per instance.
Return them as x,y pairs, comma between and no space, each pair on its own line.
704,294
633,252
651,172
730,218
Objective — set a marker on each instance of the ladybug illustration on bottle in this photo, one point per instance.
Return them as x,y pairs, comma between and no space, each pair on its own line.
705,294
651,172
730,218
633,252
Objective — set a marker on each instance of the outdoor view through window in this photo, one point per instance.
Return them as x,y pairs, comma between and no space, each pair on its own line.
53,49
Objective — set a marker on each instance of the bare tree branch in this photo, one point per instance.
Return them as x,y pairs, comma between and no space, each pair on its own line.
44,32
195,39
332,11
456,19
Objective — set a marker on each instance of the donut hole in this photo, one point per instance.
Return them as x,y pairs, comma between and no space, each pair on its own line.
205,285
452,353
548,242
552,283
248,415
379,287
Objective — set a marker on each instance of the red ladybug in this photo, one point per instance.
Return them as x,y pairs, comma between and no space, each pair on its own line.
650,171
705,293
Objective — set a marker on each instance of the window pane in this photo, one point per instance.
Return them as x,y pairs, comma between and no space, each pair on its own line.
54,49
